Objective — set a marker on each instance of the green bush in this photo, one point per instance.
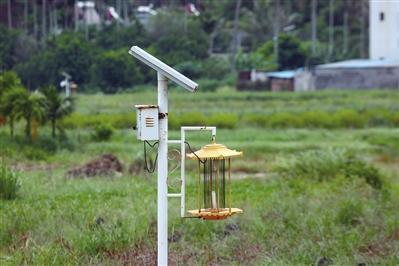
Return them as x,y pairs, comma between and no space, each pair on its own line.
47,144
223,120
376,118
350,119
208,84
323,165
215,68
318,119
358,168
113,70
192,119
284,120
103,132
190,69
350,213
9,182
33,153
259,120
77,120
394,118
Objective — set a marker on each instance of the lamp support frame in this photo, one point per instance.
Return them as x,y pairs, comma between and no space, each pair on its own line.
162,191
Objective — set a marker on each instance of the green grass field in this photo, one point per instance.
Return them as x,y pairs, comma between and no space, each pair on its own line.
307,191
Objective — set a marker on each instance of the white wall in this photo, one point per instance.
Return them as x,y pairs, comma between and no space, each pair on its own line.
384,33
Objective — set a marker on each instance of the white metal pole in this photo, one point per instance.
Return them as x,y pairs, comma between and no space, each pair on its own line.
182,172
162,222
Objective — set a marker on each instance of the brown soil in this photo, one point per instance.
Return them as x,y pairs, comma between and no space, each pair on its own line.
105,165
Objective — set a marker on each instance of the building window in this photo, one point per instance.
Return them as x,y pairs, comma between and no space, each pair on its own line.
382,16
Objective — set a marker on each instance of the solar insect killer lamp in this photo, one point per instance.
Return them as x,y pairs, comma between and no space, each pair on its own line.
152,125
214,167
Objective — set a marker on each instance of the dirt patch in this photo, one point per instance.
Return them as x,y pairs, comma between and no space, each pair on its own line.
247,252
105,165
379,248
144,255
136,167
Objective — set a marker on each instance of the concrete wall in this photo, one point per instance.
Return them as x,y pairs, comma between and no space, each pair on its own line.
304,81
357,78
384,29
277,84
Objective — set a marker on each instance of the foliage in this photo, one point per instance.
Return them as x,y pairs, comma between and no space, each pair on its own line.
113,37
68,52
103,132
57,107
192,40
8,81
9,182
291,54
8,39
327,164
350,213
31,107
114,70
10,90
223,120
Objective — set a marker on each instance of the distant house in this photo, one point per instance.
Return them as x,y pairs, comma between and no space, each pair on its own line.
349,74
357,74
267,81
282,81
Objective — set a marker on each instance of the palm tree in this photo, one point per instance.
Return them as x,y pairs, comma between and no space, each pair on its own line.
10,89
57,106
30,106
8,106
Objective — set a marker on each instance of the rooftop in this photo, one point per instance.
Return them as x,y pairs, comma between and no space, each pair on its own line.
286,74
360,63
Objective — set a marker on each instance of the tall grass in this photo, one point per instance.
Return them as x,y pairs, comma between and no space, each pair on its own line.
323,165
9,182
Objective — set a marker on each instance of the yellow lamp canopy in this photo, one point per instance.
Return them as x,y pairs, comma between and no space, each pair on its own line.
214,151
214,170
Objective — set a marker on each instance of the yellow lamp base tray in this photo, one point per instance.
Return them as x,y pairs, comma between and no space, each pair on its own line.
215,214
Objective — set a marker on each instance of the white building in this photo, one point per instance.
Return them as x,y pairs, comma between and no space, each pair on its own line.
384,29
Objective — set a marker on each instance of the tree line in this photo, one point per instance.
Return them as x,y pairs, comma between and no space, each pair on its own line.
226,37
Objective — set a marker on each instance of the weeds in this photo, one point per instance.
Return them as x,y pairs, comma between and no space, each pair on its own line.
9,182
102,132
323,165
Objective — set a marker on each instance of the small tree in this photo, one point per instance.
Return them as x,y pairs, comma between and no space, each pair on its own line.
30,106
291,53
10,86
57,107
8,107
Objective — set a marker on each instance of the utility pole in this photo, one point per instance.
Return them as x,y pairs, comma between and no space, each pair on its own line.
9,15
363,14
35,26
331,30
76,18
345,48
26,16
43,21
276,31
314,26
235,33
